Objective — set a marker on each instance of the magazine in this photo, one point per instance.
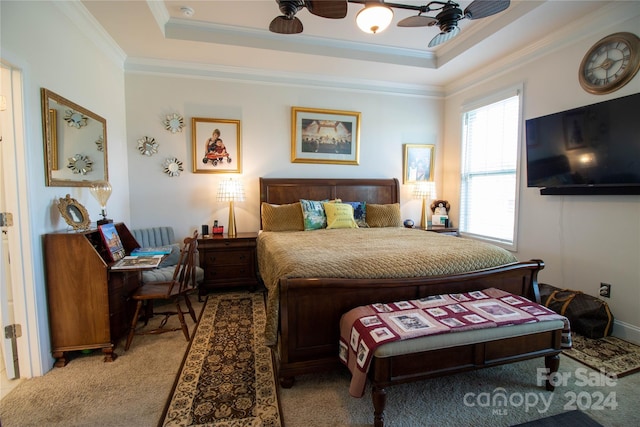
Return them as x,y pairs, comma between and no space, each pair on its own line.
160,250
137,262
112,241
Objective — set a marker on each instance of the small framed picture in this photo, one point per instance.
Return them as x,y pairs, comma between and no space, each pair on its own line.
216,145
418,163
325,136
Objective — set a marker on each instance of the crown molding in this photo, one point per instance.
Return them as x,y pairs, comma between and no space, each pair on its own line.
183,29
243,74
592,24
91,28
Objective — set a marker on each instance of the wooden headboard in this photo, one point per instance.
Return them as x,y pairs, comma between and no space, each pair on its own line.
279,191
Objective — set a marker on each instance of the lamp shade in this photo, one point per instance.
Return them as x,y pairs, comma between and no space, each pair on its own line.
375,17
230,190
425,190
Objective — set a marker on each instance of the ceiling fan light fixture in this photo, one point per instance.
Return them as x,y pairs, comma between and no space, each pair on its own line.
374,18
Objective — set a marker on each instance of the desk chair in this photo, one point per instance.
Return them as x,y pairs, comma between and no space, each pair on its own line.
182,282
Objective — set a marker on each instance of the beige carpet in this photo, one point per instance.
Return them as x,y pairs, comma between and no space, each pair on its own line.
610,354
466,399
133,390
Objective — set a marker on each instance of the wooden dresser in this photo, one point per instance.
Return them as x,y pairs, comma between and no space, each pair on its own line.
89,305
228,261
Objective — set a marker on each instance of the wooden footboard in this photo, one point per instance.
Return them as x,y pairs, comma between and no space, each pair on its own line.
310,309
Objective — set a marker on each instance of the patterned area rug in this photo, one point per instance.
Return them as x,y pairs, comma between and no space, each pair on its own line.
227,377
611,354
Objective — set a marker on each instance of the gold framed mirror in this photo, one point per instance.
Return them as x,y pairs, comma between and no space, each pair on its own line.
75,143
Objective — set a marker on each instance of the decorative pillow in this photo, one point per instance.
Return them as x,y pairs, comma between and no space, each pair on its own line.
313,214
384,215
173,257
282,217
339,215
359,213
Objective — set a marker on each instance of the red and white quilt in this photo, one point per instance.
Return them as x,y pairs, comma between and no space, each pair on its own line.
365,328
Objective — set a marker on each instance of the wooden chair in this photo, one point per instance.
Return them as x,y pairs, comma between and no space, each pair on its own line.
183,282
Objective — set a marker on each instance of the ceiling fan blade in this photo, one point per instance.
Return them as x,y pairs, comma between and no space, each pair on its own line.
483,8
334,9
284,25
444,37
417,21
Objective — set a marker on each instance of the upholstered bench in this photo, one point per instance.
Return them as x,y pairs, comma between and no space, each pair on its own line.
415,358
157,237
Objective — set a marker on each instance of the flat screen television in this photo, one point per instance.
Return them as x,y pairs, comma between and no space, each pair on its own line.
593,149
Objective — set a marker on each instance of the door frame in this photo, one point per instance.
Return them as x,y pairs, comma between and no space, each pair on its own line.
15,169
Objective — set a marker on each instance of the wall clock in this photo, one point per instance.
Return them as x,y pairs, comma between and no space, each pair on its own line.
610,63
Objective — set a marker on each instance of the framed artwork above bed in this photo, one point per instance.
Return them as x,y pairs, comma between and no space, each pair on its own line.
325,136
418,163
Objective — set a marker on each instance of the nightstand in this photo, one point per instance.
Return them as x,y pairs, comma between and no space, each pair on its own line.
450,231
228,261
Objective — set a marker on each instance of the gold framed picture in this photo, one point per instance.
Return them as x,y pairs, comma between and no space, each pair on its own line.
74,214
216,145
325,136
418,163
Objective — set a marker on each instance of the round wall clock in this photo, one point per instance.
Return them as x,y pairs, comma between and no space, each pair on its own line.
610,63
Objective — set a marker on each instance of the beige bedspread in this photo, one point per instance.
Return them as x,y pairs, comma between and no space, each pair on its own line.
365,253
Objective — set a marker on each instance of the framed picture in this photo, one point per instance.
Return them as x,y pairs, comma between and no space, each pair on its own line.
325,136
418,163
74,214
216,145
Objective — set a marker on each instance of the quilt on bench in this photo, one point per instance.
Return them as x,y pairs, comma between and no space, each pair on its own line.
364,329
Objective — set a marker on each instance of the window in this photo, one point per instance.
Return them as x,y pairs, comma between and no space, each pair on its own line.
489,181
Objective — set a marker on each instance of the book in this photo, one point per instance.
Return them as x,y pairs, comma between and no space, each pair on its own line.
111,239
137,262
160,250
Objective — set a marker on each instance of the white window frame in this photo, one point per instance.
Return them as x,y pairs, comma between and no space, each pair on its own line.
516,90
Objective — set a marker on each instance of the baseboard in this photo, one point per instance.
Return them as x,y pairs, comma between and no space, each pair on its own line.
626,331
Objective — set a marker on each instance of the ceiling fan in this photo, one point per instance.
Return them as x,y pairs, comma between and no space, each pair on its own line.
288,23
447,17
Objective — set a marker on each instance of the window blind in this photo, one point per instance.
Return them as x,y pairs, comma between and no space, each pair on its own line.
490,140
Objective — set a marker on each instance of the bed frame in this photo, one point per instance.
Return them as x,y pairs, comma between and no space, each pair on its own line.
310,308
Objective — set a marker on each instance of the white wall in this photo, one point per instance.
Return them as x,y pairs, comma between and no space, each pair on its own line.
188,201
52,52
584,240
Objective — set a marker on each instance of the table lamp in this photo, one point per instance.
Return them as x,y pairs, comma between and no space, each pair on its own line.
101,190
231,191
424,190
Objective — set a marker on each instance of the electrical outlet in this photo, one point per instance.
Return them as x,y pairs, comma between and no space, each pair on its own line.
605,290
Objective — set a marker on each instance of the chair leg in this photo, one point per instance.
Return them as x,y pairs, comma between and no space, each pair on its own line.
191,312
185,329
134,321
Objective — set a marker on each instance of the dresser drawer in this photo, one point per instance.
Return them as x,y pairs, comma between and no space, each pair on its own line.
225,272
220,244
217,259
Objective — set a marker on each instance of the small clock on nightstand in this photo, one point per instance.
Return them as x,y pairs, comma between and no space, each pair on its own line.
610,63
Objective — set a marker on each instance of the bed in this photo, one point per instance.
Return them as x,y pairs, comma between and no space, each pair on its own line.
304,304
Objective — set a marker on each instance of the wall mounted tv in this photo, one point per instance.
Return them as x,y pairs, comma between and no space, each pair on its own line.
593,149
